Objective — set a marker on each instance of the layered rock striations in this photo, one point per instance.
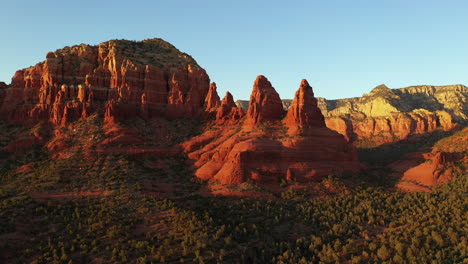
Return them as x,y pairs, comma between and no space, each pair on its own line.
267,147
388,115
149,78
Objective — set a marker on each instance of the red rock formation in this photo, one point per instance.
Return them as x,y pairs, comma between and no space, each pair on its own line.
434,170
395,127
265,103
421,170
303,111
341,126
229,112
118,111
152,77
234,153
228,101
212,99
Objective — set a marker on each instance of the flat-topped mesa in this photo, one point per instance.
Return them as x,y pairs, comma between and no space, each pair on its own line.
212,100
265,103
304,110
229,110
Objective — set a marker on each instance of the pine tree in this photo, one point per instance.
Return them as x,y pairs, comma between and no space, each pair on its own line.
383,253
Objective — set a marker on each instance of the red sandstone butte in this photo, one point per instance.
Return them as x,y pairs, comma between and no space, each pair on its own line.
151,77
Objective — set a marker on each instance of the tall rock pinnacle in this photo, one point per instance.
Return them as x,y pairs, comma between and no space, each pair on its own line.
212,99
304,110
265,103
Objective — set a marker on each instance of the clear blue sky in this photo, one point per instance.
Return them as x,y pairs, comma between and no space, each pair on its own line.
343,48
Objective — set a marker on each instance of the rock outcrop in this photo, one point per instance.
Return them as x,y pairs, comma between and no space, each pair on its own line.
303,110
387,115
262,148
212,101
265,103
393,127
436,166
151,77
229,112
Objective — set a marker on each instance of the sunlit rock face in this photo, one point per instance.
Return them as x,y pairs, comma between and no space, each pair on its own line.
387,115
266,146
265,103
146,78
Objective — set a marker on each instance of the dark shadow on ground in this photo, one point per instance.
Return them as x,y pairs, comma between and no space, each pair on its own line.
388,153
377,159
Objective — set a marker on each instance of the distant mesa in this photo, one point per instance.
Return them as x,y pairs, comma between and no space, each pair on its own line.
388,115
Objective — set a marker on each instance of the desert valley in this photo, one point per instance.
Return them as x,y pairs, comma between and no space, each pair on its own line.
124,152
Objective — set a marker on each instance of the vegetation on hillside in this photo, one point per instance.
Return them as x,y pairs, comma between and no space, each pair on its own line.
112,208
121,211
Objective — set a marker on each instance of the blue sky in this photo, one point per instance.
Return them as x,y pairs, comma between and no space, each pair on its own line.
343,48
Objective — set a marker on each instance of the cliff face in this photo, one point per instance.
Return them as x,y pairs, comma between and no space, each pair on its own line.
387,115
266,147
146,78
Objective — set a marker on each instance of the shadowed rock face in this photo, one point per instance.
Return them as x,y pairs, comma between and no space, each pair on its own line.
151,77
434,167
